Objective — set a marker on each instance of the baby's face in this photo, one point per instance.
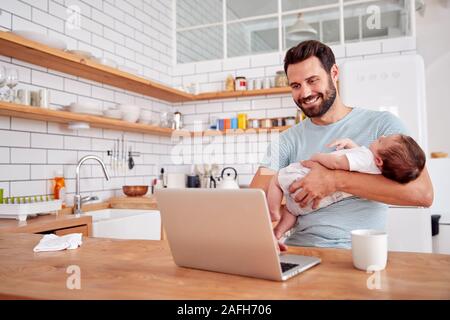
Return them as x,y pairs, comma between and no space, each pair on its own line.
382,143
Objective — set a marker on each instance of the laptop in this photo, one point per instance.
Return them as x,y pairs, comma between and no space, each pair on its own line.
227,231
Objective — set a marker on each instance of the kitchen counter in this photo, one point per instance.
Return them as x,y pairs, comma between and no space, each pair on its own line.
140,269
59,224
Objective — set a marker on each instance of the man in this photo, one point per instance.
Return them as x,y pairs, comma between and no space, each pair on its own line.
313,75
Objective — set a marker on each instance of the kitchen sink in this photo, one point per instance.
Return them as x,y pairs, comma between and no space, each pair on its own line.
126,224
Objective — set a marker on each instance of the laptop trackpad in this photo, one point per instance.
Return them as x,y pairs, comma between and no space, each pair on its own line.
303,262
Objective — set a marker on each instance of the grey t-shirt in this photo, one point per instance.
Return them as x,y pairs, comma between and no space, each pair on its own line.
331,226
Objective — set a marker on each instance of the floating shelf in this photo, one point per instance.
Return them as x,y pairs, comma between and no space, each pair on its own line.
240,94
36,113
17,47
33,52
183,133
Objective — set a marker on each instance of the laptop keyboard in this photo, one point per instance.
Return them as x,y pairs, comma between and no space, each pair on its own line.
287,266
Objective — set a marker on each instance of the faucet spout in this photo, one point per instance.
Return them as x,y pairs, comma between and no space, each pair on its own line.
78,200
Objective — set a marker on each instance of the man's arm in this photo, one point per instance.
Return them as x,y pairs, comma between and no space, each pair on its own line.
332,161
321,182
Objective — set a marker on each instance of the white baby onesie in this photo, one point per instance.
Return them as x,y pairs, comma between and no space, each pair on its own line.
360,159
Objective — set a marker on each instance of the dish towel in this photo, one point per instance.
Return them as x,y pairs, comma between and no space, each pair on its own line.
51,242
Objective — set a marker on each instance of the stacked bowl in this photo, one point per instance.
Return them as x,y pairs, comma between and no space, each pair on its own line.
130,112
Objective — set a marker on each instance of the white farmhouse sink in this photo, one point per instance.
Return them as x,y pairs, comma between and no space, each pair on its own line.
126,224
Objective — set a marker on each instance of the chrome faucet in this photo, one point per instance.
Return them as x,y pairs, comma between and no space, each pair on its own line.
78,200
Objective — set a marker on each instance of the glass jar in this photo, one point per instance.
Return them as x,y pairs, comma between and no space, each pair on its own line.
281,79
240,84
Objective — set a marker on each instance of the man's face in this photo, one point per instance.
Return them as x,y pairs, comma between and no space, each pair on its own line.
312,87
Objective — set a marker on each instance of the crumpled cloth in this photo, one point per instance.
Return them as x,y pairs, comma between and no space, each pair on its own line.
52,242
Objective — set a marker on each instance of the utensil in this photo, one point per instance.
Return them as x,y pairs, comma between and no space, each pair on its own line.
135,191
130,160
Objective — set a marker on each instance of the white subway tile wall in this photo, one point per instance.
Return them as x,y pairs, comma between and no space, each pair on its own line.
31,152
138,34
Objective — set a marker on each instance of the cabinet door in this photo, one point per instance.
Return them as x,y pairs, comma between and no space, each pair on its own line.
78,229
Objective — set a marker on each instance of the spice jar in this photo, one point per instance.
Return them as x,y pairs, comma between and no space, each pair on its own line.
240,84
290,121
229,83
281,79
266,123
278,122
253,123
242,120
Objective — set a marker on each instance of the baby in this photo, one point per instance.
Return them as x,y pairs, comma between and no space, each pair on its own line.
397,157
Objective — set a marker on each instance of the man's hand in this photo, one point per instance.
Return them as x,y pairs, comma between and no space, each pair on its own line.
317,184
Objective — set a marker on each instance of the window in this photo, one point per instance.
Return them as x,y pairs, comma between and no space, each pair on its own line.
218,29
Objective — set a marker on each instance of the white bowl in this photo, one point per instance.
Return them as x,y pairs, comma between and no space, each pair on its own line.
130,116
129,108
42,38
106,62
113,113
144,121
85,105
146,115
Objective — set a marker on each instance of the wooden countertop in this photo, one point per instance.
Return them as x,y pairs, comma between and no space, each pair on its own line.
43,223
139,269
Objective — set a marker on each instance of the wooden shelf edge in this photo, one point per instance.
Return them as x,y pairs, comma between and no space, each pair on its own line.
33,52
240,94
184,133
36,113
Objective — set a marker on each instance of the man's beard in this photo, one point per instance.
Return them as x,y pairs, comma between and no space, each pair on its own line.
327,102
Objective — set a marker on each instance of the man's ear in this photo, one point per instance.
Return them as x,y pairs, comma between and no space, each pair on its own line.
334,72
378,161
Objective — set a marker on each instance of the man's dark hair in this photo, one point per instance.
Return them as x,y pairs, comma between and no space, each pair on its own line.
307,49
403,161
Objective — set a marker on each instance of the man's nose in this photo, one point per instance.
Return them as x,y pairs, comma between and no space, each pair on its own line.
305,92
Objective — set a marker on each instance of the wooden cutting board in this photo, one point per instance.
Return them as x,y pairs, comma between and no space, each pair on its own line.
124,202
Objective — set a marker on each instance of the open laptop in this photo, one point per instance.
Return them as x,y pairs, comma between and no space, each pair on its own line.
226,231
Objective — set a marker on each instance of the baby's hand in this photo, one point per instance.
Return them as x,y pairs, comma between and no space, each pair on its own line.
342,144
315,157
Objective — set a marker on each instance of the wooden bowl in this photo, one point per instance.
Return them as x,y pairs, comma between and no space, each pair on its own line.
135,191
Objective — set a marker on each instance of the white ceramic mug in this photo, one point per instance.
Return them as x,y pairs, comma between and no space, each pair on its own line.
369,249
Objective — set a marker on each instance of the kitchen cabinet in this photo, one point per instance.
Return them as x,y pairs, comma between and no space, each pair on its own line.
84,229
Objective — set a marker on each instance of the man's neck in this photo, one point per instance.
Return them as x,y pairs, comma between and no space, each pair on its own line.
337,111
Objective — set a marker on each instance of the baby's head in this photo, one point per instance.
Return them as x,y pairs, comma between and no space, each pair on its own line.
398,157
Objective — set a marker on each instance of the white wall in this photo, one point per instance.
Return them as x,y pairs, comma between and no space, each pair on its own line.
132,32
433,43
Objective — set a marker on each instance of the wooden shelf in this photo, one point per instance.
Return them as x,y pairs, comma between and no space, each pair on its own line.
183,133
12,45
36,113
240,94
33,52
